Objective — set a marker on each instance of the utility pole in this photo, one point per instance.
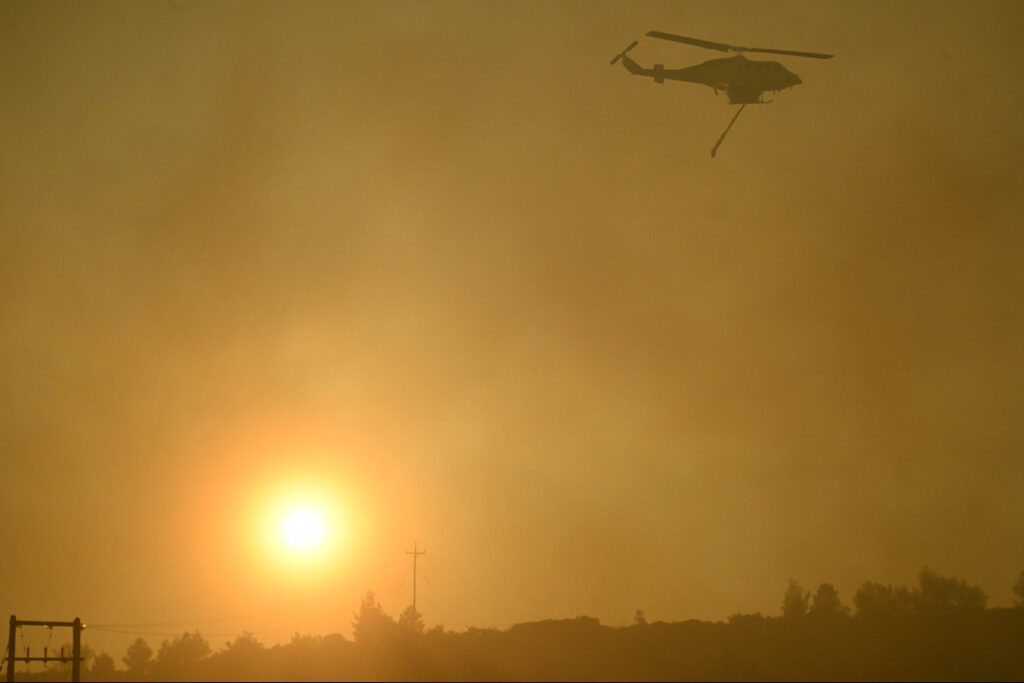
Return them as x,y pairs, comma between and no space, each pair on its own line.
415,552
76,646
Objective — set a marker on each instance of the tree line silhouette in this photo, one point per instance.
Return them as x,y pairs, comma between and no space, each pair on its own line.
939,629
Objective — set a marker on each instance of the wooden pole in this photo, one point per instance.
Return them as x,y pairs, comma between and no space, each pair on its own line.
10,650
76,650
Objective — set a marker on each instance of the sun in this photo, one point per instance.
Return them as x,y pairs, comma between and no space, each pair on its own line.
303,528
301,525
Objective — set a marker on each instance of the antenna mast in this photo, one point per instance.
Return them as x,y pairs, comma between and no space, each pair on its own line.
415,552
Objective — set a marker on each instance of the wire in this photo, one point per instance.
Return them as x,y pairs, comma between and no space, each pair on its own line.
192,622
160,628
165,624
174,635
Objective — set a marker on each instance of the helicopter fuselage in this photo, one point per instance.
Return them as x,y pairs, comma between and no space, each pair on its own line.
745,80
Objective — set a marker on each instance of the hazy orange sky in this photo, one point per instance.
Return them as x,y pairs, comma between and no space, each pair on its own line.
442,264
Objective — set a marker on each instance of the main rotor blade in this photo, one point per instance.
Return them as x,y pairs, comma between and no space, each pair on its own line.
813,55
691,41
723,47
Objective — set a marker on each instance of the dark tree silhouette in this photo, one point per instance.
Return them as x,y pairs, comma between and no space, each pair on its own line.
177,656
371,623
873,600
826,603
938,594
138,658
240,658
934,595
938,630
794,602
102,667
411,620
244,645
934,631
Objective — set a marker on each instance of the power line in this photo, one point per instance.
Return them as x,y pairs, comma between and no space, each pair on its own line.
190,622
172,635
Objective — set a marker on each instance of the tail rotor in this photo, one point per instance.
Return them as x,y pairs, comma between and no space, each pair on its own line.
621,54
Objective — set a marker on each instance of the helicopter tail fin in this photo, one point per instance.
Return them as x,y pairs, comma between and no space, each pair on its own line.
657,73
634,68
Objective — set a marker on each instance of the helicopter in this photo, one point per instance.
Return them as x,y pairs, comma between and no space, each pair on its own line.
744,80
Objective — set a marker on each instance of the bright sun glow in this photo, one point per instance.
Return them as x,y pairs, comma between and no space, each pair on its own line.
300,523
303,528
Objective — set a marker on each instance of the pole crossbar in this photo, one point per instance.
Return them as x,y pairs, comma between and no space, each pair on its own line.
57,658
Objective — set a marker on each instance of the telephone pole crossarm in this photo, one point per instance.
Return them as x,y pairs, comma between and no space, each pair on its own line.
76,646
